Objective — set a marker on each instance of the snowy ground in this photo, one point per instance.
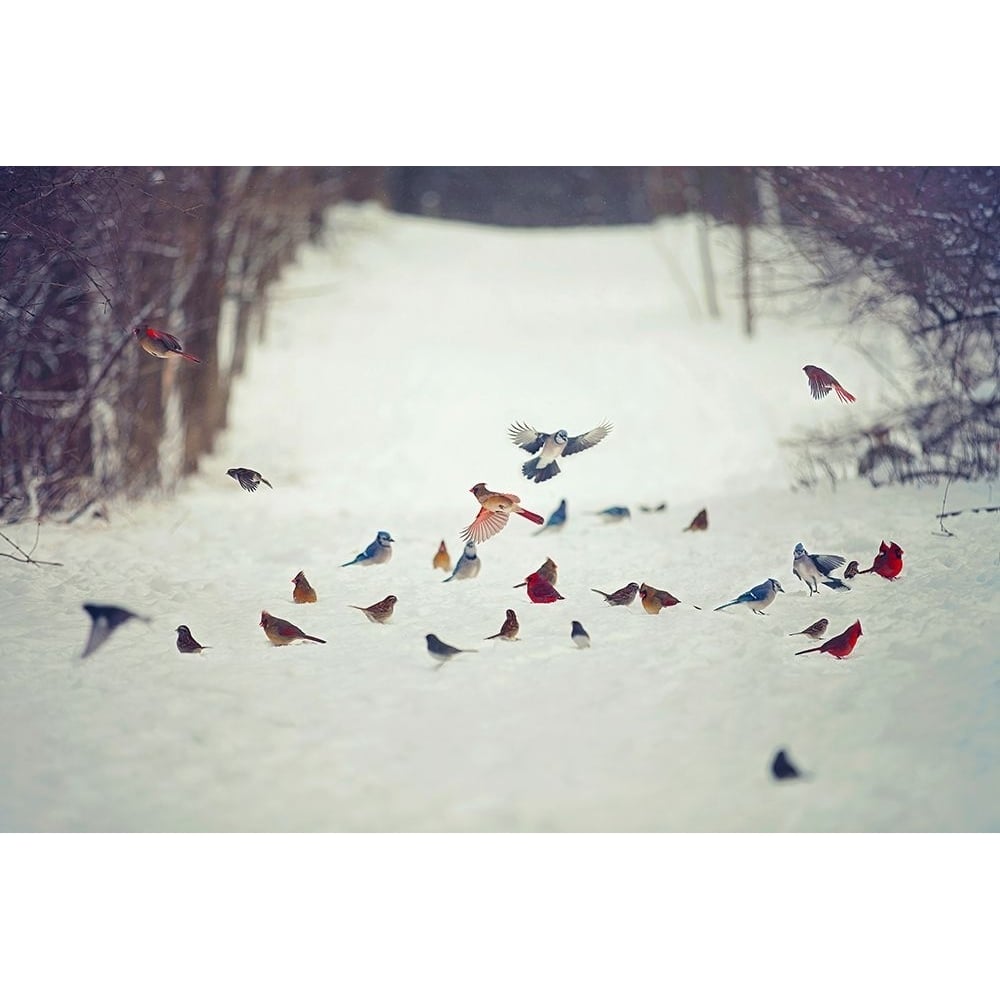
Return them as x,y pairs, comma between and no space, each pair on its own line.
396,358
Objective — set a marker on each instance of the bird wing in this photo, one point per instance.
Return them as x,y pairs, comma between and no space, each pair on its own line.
170,342
795,572
584,441
99,632
486,525
819,382
826,564
526,437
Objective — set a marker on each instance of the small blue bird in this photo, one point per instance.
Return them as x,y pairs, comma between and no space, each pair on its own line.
441,651
612,515
813,570
757,597
468,564
579,635
556,521
380,551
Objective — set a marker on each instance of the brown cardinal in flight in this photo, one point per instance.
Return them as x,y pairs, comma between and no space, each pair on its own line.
160,344
821,382
495,512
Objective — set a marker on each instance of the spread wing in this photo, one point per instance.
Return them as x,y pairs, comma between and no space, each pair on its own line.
826,564
584,441
820,382
526,437
486,525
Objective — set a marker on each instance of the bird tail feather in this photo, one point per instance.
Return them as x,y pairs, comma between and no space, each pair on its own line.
544,474
729,605
531,516
815,649
530,467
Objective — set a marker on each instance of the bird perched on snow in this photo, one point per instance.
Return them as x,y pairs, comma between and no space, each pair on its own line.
888,563
612,515
441,558
658,509
495,511
782,768
540,591
302,592
654,601
814,631
248,479
441,651
840,645
622,596
579,635
699,522
851,570
282,632
468,564
556,521
509,629
548,447
814,570
821,382
379,612
548,571
380,551
160,344
104,619
757,598
186,642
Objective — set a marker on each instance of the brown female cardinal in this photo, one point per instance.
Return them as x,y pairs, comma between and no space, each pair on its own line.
821,382
495,511
888,563
547,571
840,645
653,600
160,344
441,558
280,632
302,593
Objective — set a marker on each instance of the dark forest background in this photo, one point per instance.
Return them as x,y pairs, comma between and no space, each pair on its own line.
86,253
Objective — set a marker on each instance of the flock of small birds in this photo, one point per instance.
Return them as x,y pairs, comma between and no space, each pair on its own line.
495,509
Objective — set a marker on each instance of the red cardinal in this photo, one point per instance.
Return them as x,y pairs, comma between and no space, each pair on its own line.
888,562
160,344
540,591
840,645
821,382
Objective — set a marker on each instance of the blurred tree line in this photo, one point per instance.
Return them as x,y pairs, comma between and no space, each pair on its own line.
86,253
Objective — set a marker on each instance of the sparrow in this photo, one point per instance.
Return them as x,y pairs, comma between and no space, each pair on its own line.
757,597
653,510
699,522
579,635
495,511
441,651
840,645
653,600
548,447
548,571
624,595
782,768
380,612
160,344
248,479
612,515
814,570
821,382
105,618
888,563
186,642
556,521
441,558
814,631
468,565
851,570
303,592
540,591
509,629
280,632
380,551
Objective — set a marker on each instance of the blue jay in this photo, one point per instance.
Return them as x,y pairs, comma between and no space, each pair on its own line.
556,521
813,570
757,597
612,515
441,651
579,635
380,551
468,564
549,447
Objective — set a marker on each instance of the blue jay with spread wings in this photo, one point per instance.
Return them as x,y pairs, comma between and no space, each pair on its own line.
548,447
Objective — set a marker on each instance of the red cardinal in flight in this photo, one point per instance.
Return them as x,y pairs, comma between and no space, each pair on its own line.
540,591
821,382
888,563
840,645
160,344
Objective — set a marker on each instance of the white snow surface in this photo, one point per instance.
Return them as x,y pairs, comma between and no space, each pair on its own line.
396,356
